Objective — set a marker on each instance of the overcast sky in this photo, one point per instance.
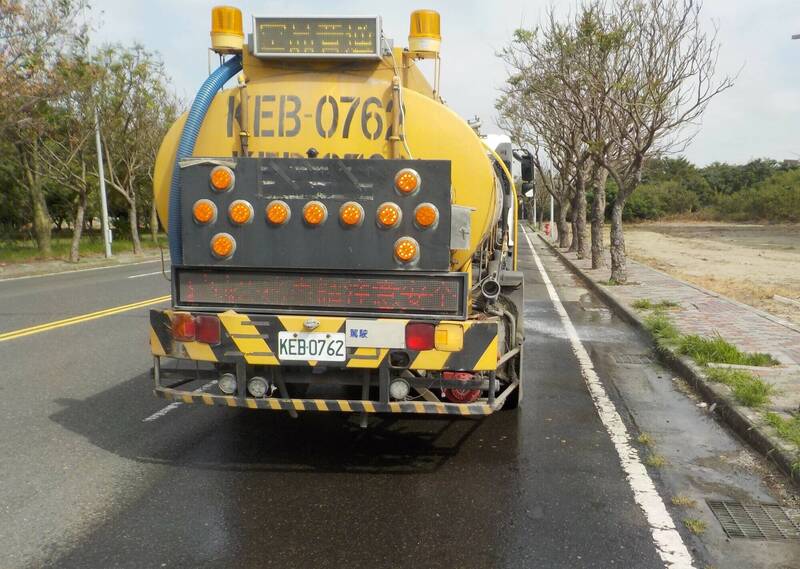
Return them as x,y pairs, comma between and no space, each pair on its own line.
759,117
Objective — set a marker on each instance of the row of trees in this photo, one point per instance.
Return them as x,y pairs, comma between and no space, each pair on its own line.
597,94
54,90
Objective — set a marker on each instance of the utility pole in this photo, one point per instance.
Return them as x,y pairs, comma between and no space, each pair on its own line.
102,176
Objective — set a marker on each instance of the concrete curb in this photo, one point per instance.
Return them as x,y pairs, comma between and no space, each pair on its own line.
731,413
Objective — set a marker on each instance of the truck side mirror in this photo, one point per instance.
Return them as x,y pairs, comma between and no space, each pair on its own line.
526,163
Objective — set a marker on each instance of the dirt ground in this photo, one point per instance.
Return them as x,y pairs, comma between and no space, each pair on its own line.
750,263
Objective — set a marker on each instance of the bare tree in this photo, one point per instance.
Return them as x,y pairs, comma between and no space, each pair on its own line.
666,64
132,101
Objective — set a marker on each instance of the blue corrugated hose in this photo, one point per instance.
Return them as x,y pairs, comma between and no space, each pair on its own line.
191,129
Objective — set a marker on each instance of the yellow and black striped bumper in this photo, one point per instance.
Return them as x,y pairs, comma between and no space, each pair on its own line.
253,339
334,405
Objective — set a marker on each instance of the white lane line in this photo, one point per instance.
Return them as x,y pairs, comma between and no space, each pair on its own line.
145,275
172,406
667,540
82,270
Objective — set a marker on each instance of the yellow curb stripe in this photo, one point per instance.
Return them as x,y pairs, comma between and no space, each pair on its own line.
13,335
321,406
345,406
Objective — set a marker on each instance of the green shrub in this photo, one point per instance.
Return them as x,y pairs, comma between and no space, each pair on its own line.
660,199
776,199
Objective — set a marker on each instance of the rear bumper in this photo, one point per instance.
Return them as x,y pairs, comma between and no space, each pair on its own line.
253,339
328,405
248,348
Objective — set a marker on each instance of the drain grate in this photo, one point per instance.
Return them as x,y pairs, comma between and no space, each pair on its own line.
631,359
756,521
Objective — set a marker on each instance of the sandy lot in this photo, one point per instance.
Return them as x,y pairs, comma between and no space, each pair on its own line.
750,263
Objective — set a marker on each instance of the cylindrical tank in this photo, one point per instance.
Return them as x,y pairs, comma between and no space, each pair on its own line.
344,110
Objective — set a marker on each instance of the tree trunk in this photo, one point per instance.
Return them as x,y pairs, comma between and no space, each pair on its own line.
562,225
42,224
580,217
154,221
619,270
77,226
598,218
573,224
133,217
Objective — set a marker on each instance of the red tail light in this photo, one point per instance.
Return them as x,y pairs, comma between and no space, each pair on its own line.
188,328
419,336
183,327
207,329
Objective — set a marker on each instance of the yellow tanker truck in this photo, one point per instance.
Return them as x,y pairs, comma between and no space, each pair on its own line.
340,240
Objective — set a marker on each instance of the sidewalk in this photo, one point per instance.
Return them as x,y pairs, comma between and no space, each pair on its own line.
705,313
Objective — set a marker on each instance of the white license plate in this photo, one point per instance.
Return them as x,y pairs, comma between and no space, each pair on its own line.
316,346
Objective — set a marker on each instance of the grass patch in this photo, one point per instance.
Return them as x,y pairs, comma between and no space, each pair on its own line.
655,460
748,390
683,501
788,429
645,439
662,329
697,527
718,350
647,304
26,251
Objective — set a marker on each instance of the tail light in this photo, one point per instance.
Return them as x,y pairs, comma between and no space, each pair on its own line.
207,329
183,327
188,328
420,336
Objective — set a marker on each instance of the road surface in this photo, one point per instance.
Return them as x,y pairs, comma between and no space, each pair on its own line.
97,472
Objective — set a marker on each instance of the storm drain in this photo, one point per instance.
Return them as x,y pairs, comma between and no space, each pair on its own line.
756,521
631,359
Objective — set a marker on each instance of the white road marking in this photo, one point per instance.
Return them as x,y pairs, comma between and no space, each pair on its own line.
172,406
668,541
81,270
145,275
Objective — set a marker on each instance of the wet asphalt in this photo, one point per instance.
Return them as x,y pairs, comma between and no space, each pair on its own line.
86,482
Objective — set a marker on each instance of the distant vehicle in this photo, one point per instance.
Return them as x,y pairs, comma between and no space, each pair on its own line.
340,239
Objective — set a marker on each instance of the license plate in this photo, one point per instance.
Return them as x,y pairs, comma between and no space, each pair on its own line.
305,346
